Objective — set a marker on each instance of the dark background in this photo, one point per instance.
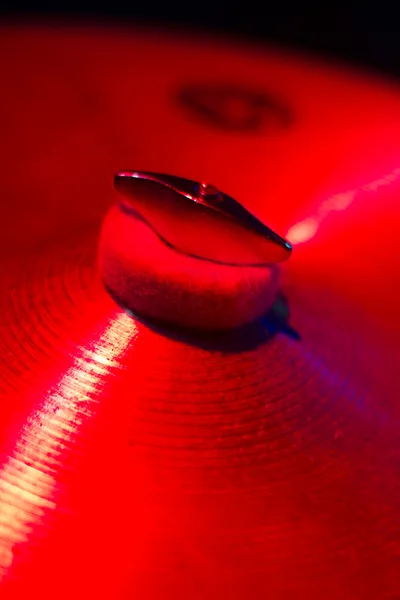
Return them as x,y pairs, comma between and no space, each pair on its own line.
366,33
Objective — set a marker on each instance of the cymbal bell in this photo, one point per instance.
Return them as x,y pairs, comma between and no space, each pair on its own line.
171,251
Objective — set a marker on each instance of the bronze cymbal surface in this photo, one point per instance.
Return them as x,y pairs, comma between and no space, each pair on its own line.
138,464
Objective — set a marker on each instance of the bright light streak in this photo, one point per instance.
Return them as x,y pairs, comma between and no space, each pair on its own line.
28,480
305,230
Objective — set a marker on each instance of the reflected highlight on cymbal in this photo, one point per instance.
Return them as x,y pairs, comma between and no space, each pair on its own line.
305,230
28,480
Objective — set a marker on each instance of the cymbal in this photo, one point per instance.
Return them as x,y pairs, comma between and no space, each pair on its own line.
136,463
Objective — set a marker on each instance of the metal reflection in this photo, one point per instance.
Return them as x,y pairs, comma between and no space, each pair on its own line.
306,229
28,480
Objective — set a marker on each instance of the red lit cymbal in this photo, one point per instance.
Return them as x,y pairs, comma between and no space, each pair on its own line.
137,465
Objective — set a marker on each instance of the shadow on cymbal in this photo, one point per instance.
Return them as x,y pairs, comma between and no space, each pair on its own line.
247,337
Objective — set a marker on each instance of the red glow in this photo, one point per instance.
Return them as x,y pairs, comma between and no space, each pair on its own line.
28,480
302,231
167,471
305,230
